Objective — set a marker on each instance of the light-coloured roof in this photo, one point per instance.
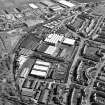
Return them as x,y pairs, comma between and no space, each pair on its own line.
69,41
38,73
50,50
32,5
66,3
42,63
39,67
53,38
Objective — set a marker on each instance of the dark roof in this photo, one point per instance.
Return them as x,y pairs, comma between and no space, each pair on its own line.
42,47
30,42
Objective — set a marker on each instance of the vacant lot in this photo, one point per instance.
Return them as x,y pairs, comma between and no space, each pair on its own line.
8,3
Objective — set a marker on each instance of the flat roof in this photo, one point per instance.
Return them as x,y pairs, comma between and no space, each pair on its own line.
38,73
39,67
32,5
53,38
42,63
69,41
66,3
50,50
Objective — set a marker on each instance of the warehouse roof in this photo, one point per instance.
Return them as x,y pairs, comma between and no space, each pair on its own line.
39,73
69,41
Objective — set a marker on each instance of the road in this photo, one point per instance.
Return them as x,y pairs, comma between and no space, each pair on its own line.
74,62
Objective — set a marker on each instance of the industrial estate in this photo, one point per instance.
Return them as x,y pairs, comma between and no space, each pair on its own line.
52,52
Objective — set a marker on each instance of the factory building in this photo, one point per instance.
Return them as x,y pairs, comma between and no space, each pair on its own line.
40,69
53,38
50,50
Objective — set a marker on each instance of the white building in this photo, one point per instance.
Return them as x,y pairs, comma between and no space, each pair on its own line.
39,73
69,41
53,38
40,62
41,68
50,50
66,3
32,5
